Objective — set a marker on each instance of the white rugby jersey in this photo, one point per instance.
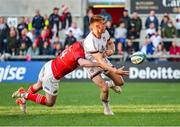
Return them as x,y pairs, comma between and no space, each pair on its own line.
92,44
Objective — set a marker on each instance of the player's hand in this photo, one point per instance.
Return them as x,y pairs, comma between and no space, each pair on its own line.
122,72
109,52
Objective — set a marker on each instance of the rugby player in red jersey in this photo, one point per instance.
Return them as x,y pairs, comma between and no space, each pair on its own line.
50,75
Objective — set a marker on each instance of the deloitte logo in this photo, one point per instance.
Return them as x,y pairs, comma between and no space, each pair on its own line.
158,73
77,74
12,73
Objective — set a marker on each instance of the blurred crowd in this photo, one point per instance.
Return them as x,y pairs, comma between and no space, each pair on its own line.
40,35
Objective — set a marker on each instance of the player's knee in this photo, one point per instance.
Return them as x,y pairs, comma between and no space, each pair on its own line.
50,104
120,83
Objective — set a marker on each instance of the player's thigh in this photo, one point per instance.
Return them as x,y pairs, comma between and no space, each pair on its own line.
100,82
117,79
49,83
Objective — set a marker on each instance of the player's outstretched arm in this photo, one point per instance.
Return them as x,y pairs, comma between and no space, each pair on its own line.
86,63
99,58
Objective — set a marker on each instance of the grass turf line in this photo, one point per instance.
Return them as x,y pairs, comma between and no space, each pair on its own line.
78,105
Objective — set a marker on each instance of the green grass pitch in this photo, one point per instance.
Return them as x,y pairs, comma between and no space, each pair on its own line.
78,104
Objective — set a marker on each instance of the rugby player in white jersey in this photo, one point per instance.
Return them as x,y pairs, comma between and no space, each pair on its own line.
98,46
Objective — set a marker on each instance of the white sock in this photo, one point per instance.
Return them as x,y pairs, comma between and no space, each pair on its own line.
110,83
105,104
24,100
24,95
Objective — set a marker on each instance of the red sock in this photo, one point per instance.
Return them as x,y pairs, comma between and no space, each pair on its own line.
31,89
37,98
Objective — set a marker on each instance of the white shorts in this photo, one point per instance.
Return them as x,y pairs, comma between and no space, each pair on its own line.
94,71
49,83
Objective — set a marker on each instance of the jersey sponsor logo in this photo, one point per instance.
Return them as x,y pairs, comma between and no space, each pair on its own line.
9,73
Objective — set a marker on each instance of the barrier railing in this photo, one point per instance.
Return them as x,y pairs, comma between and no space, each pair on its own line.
120,57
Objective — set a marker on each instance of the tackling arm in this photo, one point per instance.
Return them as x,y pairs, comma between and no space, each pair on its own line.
86,63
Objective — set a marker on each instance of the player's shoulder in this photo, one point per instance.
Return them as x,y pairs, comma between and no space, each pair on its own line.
77,45
106,33
89,38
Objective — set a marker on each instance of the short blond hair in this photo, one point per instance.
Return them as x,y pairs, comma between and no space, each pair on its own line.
96,18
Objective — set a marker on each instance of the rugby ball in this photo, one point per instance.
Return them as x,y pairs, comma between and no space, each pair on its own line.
137,57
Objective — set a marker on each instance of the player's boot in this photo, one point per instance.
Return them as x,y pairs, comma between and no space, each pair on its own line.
108,111
111,85
22,104
117,89
20,93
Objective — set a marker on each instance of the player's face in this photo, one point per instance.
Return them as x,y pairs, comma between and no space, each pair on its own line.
102,26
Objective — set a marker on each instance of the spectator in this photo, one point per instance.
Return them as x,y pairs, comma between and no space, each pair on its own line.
151,30
121,34
38,23
86,20
75,30
156,39
178,24
147,47
66,17
164,22
30,34
57,49
70,39
41,40
46,49
110,28
33,50
56,40
46,22
136,26
126,20
152,19
130,49
169,30
23,49
144,46
12,42
54,22
21,26
160,51
150,49
174,50
119,49
29,24
25,39
106,15
4,30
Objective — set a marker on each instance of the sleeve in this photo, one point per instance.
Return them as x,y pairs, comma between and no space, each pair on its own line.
107,35
90,46
79,53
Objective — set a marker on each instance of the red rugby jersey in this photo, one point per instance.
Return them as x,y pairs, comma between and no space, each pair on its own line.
67,61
